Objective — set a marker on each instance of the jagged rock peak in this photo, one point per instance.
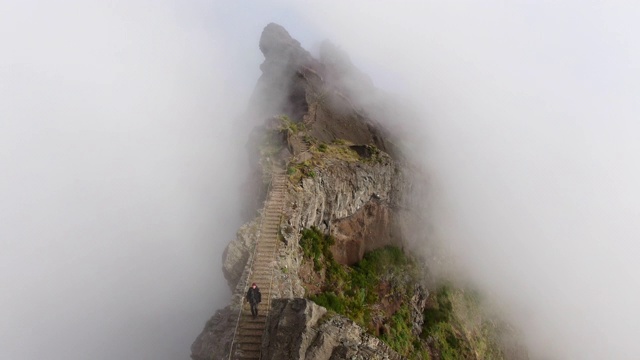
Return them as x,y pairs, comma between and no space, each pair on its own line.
276,38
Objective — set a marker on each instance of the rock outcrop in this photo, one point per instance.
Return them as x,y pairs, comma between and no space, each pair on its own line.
214,342
298,329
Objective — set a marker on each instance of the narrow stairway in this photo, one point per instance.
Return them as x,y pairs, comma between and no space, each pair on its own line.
248,336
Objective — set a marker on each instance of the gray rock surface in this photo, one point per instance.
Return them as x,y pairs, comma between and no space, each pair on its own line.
238,252
298,329
214,342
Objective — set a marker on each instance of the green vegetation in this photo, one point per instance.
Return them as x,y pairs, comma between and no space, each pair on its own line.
457,326
376,293
338,150
290,126
356,291
301,170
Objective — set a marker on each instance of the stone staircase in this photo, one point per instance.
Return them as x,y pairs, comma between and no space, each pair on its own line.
248,335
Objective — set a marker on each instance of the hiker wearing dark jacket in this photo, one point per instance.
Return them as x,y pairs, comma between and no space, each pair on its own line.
254,298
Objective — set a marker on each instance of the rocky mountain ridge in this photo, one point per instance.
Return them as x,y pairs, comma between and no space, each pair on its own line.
348,183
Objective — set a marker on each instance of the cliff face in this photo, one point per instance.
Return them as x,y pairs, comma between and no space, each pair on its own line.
356,190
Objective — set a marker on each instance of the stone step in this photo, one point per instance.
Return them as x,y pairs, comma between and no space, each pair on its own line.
264,262
269,239
263,282
262,273
251,326
261,276
247,317
266,250
250,355
267,247
250,332
246,347
247,355
264,255
268,236
263,268
275,215
275,218
268,242
250,339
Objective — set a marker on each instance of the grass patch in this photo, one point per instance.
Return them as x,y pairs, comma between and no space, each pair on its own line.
290,126
354,292
457,326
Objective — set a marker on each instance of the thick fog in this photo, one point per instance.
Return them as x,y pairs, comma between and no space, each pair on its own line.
121,162
120,166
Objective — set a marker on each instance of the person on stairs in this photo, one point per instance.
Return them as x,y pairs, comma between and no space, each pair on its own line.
254,298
